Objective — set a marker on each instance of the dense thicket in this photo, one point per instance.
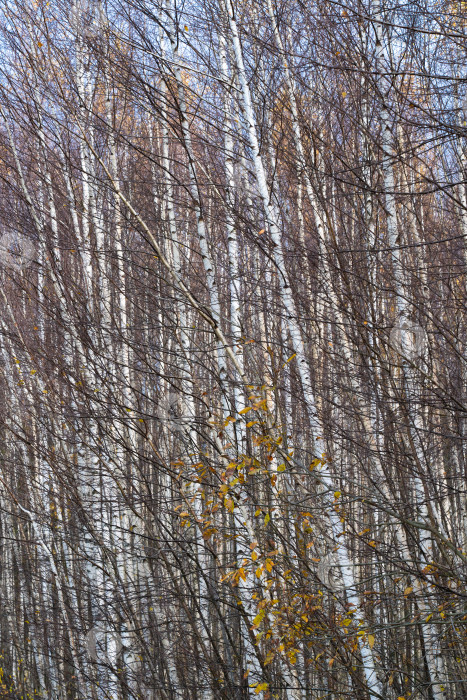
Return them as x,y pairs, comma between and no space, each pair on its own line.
233,350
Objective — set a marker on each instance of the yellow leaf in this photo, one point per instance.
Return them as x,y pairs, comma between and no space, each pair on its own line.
267,518
245,410
257,620
337,494
371,640
259,571
281,468
408,590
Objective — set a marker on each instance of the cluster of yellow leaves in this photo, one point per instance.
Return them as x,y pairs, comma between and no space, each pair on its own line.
235,576
268,564
260,688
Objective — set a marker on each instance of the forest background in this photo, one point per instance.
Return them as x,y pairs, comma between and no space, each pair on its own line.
233,365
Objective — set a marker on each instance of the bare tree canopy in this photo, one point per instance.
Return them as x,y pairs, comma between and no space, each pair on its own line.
233,361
